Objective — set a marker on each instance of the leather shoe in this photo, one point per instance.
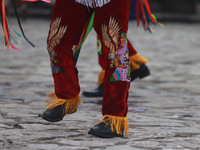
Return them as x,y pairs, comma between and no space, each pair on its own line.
140,73
103,131
54,115
98,92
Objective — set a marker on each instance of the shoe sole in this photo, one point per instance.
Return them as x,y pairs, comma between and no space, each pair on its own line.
101,135
52,120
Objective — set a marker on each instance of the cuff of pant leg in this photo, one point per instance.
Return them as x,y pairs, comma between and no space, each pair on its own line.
70,105
118,124
101,77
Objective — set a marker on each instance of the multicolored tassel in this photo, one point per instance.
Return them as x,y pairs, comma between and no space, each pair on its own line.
9,32
47,1
141,10
5,24
88,27
19,23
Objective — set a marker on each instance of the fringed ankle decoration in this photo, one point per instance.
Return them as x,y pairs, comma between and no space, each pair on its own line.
101,77
137,60
70,105
118,124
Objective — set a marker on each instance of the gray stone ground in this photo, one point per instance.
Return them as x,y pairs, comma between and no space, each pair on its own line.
163,108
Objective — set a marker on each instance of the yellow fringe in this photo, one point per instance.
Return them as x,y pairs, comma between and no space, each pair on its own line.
137,60
101,77
118,124
70,106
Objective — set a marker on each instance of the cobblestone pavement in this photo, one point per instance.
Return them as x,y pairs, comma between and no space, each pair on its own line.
163,108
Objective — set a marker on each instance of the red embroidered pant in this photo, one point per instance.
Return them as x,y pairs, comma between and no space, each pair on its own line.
111,24
131,49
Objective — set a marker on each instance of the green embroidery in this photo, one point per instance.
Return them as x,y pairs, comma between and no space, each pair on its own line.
99,47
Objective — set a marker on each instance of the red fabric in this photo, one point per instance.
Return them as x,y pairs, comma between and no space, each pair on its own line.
0,5
74,16
1,8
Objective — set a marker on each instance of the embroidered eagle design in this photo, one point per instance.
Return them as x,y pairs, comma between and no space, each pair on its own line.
110,38
56,33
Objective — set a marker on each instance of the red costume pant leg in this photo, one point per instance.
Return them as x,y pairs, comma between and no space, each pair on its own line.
111,24
68,20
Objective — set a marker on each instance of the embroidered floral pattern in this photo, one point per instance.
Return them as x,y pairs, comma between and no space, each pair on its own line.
55,35
119,53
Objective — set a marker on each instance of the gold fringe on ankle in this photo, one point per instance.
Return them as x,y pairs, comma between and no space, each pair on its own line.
118,124
101,77
137,60
71,105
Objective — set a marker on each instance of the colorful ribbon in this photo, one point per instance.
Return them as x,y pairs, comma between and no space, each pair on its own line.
87,28
17,15
47,1
141,10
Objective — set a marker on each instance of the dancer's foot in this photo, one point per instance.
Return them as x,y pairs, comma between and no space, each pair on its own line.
103,131
140,73
98,92
54,115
